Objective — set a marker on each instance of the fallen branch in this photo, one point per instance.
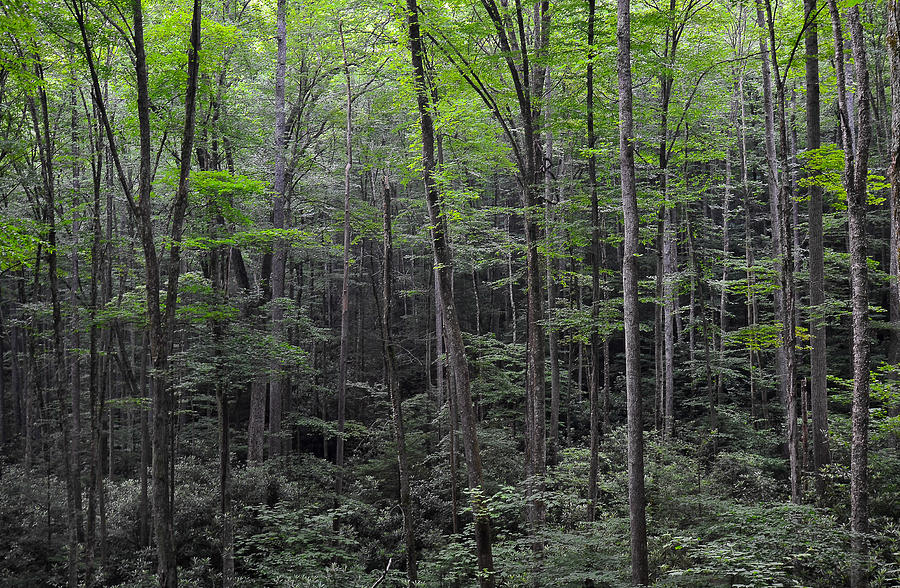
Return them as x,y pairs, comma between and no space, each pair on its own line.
384,575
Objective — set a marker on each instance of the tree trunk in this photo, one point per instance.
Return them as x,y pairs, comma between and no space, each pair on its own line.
781,227
595,272
771,173
279,252
553,446
723,295
144,504
391,383
855,178
345,282
257,421
57,375
75,327
636,496
818,367
893,45
455,345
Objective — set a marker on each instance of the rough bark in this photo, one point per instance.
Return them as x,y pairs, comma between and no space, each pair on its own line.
856,175
636,496
893,46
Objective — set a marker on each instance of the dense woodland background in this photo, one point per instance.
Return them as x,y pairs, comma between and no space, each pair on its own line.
639,324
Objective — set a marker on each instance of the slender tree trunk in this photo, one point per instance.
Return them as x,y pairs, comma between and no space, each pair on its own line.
636,497
218,262
893,45
345,282
75,327
771,168
455,345
279,252
57,375
394,389
723,296
781,226
817,333
707,352
93,370
659,398
553,446
595,271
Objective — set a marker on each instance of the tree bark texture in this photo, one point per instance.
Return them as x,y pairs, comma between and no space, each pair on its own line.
636,496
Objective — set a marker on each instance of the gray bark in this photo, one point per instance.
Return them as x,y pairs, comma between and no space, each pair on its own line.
636,496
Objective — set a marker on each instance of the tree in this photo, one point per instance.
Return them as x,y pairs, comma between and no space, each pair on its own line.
455,345
636,496
817,333
390,377
856,156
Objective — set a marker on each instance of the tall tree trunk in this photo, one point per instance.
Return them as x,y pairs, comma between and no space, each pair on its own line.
41,126
279,253
712,398
345,281
893,45
818,367
855,178
455,345
750,299
771,167
390,375
553,446
94,401
669,228
595,272
75,327
636,496
723,295
781,227
218,263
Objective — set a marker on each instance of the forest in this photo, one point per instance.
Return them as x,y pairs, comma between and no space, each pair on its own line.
332,293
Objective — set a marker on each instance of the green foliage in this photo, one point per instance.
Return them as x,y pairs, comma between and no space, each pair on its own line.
756,337
824,168
225,194
20,240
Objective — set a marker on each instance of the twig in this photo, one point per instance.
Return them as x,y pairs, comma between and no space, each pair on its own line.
384,574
